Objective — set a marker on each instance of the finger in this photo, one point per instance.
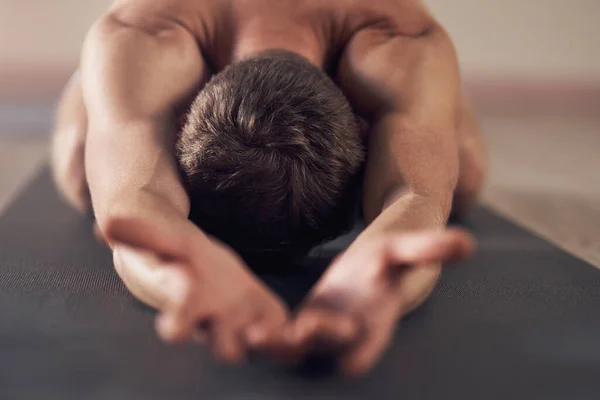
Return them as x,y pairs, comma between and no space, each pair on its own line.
279,348
166,287
260,337
226,343
153,282
317,331
141,234
260,340
264,332
361,359
173,329
279,344
329,332
429,247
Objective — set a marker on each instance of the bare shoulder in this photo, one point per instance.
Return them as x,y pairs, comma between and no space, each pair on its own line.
387,17
374,24
387,48
159,15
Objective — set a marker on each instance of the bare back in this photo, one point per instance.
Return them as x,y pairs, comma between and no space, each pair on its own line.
228,31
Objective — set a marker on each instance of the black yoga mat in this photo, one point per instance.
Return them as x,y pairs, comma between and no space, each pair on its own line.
521,320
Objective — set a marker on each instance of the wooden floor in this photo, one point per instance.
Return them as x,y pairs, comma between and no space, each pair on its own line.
545,172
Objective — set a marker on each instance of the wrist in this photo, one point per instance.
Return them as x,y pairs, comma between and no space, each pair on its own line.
140,204
408,212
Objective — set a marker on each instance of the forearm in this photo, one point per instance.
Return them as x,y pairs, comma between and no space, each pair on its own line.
410,177
134,173
409,211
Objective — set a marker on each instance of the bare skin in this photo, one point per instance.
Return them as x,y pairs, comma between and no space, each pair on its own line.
113,153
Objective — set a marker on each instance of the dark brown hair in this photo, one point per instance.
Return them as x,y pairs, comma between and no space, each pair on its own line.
270,154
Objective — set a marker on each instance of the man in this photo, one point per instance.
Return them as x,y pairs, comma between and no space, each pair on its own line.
269,147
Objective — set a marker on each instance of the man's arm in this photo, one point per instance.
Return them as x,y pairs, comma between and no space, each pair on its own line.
136,69
135,73
409,86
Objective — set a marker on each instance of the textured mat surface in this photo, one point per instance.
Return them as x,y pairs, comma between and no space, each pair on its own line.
521,320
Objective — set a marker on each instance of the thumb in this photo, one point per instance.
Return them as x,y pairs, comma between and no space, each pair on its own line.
144,235
429,247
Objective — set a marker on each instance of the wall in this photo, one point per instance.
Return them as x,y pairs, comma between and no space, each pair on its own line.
49,33
536,39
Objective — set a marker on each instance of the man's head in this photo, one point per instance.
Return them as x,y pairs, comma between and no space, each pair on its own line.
270,155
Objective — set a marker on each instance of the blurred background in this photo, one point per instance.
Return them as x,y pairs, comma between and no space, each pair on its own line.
531,67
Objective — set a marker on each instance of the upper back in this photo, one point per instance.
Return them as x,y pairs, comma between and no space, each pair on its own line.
231,30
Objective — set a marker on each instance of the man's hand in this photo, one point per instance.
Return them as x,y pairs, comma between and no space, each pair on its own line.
201,287
353,311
